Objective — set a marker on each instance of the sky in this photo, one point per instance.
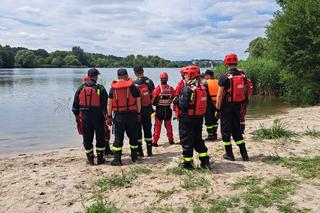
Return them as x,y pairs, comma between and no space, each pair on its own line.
172,29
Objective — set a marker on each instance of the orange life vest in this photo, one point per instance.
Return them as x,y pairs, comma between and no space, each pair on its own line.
213,89
123,100
89,96
237,91
198,101
144,94
165,96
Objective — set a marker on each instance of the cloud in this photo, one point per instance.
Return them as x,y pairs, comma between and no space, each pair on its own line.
175,29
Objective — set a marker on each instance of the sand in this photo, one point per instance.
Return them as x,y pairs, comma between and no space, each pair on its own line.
60,181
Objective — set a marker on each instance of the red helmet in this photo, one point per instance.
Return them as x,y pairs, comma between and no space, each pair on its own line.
164,76
231,59
192,71
182,71
85,78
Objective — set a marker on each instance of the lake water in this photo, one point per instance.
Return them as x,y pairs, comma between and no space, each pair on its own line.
35,109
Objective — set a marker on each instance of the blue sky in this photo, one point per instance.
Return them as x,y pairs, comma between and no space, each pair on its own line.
173,29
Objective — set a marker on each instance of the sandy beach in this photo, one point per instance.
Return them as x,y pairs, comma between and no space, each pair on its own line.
60,181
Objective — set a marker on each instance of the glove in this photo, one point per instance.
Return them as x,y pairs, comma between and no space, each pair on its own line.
138,118
109,121
218,114
78,119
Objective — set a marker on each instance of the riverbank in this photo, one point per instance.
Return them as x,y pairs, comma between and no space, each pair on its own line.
60,181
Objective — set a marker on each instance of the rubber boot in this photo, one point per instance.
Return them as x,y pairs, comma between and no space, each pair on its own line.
171,142
116,158
243,152
140,150
188,165
205,164
90,158
155,144
108,151
100,158
149,149
212,134
242,128
134,155
229,154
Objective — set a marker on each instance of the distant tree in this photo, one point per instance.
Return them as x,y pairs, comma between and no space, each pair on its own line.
79,53
71,60
41,52
6,57
57,61
25,58
257,48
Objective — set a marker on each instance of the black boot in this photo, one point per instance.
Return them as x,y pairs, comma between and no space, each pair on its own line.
243,152
229,154
188,165
90,158
117,158
211,138
242,128
171,142
100,158
108,151
134,155
205,164
149,149
140,150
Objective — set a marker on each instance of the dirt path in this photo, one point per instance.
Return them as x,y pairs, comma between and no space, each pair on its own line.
60,181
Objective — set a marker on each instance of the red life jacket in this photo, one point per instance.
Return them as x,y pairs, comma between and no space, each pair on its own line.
144,94
165,96
180,86
237,91
123,100
89,96
198,102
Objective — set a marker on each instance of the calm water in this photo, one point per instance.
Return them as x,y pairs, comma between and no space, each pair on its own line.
35,109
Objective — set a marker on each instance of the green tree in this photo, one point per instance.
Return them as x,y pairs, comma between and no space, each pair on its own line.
6,58
79,53
41,52
257,48
25,58
57,61
71,60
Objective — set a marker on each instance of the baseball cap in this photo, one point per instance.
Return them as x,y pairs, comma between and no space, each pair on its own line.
93,72
122,72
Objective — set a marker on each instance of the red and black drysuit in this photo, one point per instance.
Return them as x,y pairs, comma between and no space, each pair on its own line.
91,99
244,106
181,84
146,87
192,104
163,95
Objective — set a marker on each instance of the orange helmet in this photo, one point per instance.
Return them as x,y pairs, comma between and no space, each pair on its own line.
85,78
164,76
192,71
231,59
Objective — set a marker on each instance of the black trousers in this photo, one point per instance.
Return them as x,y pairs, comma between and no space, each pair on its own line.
210,120
146,125
93,123
125,123
190,132
230,123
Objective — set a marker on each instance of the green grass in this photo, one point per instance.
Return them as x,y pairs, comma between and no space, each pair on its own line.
195,181
246,181
306,167
290,208
179,171
312,133
163,194
164,209
278,130
101,205
138,170
219,205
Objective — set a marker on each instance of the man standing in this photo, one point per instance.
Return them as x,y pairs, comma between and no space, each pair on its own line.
211,121
90,99
124,101
146,87
162,99
231,94
192,105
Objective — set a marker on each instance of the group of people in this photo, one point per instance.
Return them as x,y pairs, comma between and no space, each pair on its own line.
128,108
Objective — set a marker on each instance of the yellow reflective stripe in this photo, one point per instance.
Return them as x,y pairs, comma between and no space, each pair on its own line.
116,148
226,143
89,150
100,149
140,141
98,92
204,154
192,96
215,125
210,127
134,147
147,139
239,142
188,159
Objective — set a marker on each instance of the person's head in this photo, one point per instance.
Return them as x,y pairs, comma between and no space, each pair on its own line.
85,78
138,71
122,74
231,60
164,78
93,74
191,72
208,74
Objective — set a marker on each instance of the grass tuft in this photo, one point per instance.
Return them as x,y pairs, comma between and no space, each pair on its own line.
162,194
194,181
278,130
101,206
179,171
246,181
312,133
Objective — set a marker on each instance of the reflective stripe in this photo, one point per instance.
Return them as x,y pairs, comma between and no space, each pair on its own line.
204,154
147,139
134,147
239,142
139,140
116,148
100,149
226,143
192,96
215,125
188,159
98,92
89,150
210,127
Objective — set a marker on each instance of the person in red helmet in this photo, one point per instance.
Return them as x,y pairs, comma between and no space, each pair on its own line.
231,95
192,103
244,105
181,84
162,99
